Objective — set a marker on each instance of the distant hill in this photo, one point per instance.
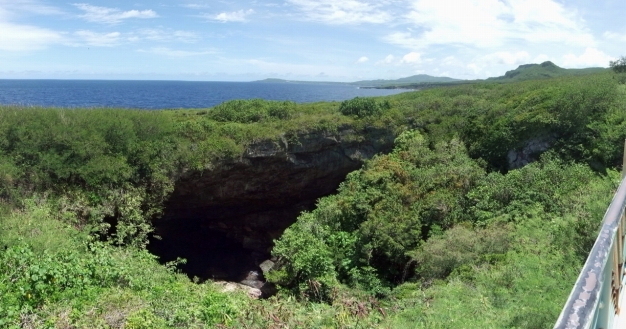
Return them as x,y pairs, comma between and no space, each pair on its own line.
420,78
415,79
542,71
272,80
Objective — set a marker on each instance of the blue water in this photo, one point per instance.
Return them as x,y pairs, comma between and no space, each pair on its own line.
167,94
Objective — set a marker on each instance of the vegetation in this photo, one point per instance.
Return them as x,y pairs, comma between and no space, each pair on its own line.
363,107
619,65
428,236
414,79
543,71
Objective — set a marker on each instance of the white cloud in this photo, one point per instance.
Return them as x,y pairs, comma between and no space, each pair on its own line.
450,61
362,60
613,36
474,67
29,7
592,57
508,58
490,24
14,37
112,39
541,58
492,64
286,69
111,15
387,60
99,39
412,58
235,16
343,12
175,53
166,35
21,37
195,5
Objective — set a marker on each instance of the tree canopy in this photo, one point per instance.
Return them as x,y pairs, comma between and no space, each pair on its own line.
619,65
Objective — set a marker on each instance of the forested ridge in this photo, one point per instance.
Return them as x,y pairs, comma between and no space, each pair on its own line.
446,230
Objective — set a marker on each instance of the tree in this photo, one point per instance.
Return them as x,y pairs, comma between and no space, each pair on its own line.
619,65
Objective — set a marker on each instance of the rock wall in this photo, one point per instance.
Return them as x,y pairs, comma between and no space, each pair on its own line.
530,152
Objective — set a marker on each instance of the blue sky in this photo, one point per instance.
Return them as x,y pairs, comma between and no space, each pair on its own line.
329,40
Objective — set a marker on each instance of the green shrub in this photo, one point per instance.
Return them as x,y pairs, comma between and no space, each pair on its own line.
254,110
40,225
361,235
459,246
144,319
363,107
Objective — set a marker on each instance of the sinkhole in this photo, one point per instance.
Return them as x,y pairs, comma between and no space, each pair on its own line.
221,244
224,220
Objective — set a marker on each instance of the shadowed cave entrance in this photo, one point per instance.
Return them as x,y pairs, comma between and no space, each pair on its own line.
217,243
224,220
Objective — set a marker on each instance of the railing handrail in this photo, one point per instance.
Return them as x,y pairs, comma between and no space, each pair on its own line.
580,309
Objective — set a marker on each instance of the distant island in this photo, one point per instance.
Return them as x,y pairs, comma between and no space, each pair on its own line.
523,72
272,80
420,78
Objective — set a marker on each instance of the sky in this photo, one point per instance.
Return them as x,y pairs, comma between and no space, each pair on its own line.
323,40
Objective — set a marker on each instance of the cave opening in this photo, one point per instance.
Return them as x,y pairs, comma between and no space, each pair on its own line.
209,253
224,220
223,240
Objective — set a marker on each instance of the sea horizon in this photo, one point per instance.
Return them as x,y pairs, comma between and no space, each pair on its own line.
169,94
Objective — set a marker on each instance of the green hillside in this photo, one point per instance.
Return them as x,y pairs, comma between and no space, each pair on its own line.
524,72
543,71
440,232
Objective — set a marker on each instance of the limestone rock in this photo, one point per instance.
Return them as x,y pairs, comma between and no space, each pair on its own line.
253,280
266,266
226,286
530,152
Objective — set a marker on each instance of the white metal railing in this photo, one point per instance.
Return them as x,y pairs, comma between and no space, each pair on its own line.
594,302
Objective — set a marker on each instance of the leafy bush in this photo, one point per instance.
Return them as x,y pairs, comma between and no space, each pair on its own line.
363,107
518,274
460,247
128,288
619,65
254,110
542,184
360,236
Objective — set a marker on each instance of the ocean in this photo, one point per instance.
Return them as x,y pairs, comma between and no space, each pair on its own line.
168,94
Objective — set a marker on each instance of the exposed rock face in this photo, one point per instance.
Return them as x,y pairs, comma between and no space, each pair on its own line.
266,266
225,286
251,200
253,280
530,152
